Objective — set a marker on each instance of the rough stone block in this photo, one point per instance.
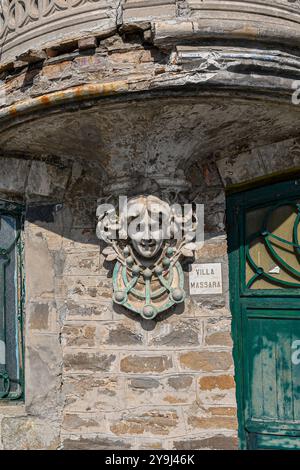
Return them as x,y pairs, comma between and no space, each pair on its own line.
83,212
47,180
42,385
90,393
218,333
85,311
280,156
95,442
50,233
221,382
216,442
38,316
121,334
84,422
32,56
222,411
14,174
211,306
79,335
87,361
177,389
220,338
29,433
146,364
234,171
36,255
81,240
212,250
164,32
147,444
86,288
87,43
206,361
82,264
217,389
177,333
162,422
213,422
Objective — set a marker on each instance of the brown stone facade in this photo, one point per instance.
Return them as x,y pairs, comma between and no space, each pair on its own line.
135,89
100,377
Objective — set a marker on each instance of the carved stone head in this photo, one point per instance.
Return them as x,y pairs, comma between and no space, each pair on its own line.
146,242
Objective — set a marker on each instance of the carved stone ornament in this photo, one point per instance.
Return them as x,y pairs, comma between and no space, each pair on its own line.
144,242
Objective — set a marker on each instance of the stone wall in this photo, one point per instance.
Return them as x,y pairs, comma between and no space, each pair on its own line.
99,377
154,91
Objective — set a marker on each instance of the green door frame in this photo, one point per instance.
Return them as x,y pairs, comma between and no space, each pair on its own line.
240,296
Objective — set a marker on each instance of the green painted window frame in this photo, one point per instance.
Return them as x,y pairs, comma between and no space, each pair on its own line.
14,341
237,205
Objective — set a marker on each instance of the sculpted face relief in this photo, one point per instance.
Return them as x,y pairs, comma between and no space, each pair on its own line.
147,238
145,229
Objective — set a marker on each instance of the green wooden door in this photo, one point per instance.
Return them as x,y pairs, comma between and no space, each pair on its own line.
264,255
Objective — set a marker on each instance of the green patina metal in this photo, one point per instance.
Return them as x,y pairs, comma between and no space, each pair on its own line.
267,237
148,278
11,376
128,293
266,321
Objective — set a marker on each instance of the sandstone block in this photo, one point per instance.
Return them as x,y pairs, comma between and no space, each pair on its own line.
82,264
206,361
86,361
43,382
38,315
79,335
85,311
157,422
146,364
95,442
14,174
221,382
176,389
47,180
84,422
29,433
184,333
214,422
218,389
36,255
216,442
91,393
122,333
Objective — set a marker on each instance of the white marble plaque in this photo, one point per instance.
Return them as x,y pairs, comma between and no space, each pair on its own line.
206,279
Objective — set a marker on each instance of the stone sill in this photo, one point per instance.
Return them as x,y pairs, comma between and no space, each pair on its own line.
8,408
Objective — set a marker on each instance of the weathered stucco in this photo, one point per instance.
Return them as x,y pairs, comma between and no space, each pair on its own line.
153,88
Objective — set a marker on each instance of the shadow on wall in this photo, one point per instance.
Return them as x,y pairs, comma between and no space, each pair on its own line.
60,200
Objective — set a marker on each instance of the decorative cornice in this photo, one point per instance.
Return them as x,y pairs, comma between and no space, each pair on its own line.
25,24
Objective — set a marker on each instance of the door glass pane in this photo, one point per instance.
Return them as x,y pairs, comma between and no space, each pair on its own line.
272,247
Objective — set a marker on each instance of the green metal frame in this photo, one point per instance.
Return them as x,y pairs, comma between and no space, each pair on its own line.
148,294
267,237
17,211
241,295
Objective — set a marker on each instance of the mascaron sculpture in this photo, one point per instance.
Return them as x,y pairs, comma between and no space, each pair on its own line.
147,242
